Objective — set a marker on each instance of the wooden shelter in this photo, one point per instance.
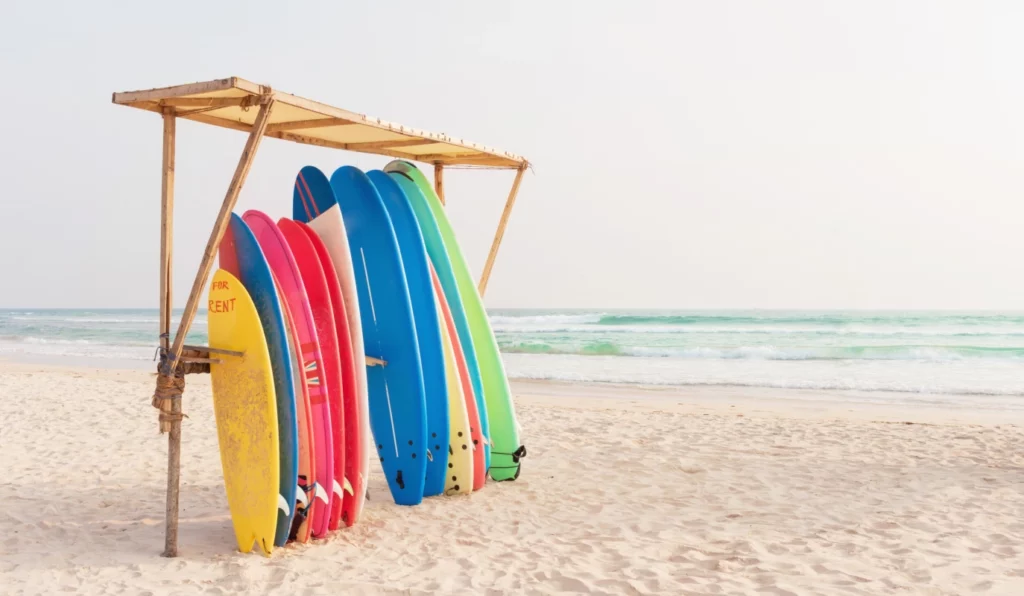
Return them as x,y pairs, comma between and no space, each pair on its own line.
263,112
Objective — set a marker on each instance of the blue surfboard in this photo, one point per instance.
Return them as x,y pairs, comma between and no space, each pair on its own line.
439,257
428,330
242,256
397,402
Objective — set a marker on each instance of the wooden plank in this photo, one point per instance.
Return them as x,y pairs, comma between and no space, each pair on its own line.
222,122
439,181
388,144
241,171
432,157
209,102
159,93
309,124
307,140
199,360
210,350
500,232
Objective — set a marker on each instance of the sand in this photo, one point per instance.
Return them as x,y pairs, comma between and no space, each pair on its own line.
624,491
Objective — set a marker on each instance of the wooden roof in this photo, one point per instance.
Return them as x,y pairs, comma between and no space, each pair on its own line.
233,103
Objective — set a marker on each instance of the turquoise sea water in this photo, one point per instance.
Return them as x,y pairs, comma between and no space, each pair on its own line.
978,356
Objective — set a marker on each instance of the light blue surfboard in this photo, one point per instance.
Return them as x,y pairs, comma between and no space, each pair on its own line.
428,331
397,402
242,256
442,265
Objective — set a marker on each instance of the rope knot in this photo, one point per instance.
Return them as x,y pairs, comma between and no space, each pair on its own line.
169,389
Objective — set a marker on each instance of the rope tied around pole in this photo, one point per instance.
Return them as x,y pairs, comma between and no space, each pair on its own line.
168,389
171,385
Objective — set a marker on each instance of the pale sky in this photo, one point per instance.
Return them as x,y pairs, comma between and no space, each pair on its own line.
686,154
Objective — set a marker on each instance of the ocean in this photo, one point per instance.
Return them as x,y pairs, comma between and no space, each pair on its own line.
974,359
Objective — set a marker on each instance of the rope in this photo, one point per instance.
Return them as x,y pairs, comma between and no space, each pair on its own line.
168,389
515,455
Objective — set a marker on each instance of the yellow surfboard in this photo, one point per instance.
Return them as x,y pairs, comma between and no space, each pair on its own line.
460,452
246,410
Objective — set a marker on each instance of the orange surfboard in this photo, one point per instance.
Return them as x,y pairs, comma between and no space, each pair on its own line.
479,466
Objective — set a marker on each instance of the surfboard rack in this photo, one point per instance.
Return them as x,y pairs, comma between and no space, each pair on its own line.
244,106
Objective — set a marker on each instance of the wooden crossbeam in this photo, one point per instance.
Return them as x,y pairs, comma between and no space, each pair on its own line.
389,144
307,124
209,102
210,350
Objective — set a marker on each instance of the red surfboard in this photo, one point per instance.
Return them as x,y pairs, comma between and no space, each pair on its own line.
301,529
479,466
354,439
319,297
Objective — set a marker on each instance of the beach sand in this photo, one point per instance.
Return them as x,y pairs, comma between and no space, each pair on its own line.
624,491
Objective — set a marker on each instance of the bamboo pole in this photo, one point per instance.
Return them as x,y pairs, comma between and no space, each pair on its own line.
174,437
439,181
166,250
500,232
166,227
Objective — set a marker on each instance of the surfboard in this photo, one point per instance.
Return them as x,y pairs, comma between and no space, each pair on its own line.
326,332
245,406
472,417
353,436
313,202
241,256
301,530
286,272
460,445
442,265
428,331
397,402
506,448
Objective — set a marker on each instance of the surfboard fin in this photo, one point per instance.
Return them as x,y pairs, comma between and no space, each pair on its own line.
282,504
320,493
337,487
348,487
430,456
301,496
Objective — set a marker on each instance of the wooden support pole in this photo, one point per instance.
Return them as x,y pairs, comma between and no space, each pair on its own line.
439,181
166,227
174,437
500,232
166,295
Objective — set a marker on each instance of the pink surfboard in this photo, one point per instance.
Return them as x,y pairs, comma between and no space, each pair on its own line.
300,529
354,436
479,466
319,296
286,271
